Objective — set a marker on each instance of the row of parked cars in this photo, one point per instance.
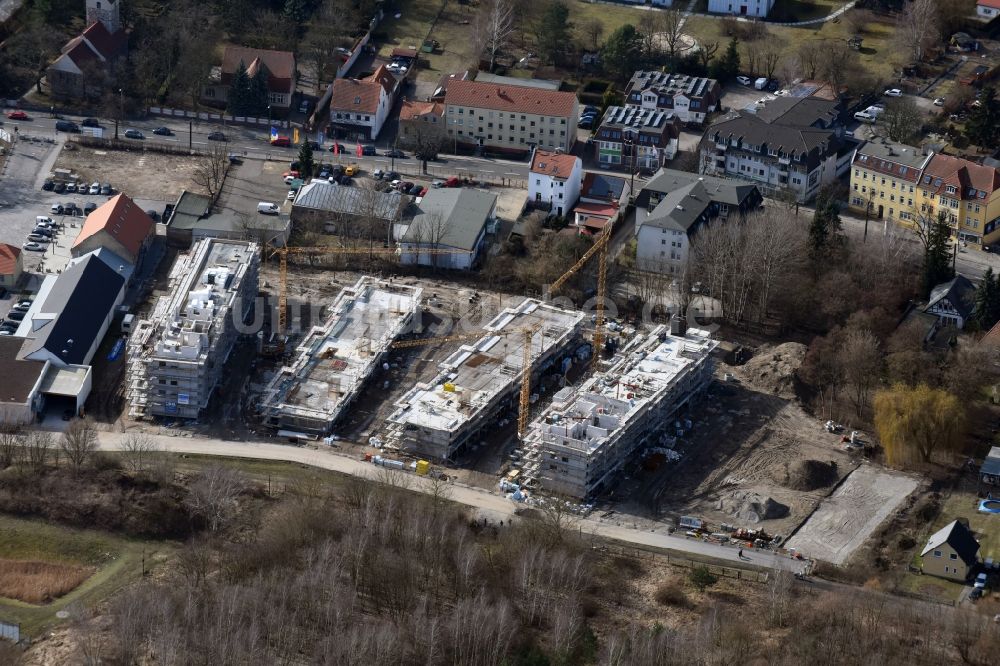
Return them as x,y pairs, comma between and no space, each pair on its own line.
71,187
589,117
43,233
9,325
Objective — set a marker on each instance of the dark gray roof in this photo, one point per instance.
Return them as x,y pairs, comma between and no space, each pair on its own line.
959,291
992,463
730,191
958,536
688,196
346,199
798,112
788,139
81,298
599,186
662,82
190,208
19,376
461,212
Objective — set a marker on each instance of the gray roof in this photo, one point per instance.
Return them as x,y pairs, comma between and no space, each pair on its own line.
958,536
688,196
890,151
462,212
601,186
992,463
19,376
190,208
798,112
346,199
730,191
959,291
543,84
81,298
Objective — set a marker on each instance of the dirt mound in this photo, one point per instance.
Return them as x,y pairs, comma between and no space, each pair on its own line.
810,475
772,369
751,507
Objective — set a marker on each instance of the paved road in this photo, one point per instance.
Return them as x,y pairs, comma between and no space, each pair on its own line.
491,502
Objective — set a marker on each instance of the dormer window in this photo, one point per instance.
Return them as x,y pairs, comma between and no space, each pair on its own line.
951,189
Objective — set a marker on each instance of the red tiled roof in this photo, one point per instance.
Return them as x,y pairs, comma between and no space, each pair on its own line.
557,165
8,258
107,45
410,109
510,98
962,174
995,4
602,210
362,95
281,64
78,51
120,218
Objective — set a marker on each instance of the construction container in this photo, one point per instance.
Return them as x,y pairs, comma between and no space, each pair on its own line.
423,467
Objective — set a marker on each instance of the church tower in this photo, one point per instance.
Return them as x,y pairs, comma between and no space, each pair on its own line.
105,11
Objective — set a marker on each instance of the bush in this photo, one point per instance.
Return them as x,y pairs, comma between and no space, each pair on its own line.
702,578
906,542
669,594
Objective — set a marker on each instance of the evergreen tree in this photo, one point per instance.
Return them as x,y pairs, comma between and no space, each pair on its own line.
825,224
257,95
983,128
306,164
553,31
239,91
622,51
727,67
937,254
986,311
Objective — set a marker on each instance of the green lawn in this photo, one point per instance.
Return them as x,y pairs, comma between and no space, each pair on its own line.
278,472
930,586
804,10
985,525
117,561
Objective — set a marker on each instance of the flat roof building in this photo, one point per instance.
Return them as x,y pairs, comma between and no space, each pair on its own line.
335,359
476,386
178,355
588,433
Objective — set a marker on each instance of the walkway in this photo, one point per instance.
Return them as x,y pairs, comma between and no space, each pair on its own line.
484,500
817,21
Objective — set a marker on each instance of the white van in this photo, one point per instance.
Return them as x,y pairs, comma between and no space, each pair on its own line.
864,116
265,208
760,83
43,221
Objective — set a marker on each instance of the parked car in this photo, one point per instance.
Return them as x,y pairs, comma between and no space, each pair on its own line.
377,174
48,185
44,221
591,109
893,92
288,179
95,188
395,153
344,180
33,247
291,195
90,122
281,141
437,184
134,134
585,123
743,80
216,136
414,190
71,187
368,150
153,215
56,209
18,115
67,126
391,176
42,231
405,186
350,170
980,581
315,145
15,315
453,182
337,148
267,208
59,188
294,173
21,307
107,189
939,101
89,208
71,209
395,184
163,131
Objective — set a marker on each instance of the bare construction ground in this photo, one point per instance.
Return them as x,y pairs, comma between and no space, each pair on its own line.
846,518
141,175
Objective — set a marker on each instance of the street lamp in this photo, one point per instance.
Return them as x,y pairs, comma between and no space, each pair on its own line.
121,110
629,139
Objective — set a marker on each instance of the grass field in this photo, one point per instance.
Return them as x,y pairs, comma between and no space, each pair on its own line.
115,561
985,525
804,10
279,473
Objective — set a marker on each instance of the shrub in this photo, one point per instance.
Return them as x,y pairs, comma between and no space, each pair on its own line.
702,578
669,594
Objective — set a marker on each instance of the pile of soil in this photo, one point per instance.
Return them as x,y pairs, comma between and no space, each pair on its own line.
751,507
810,475
772,369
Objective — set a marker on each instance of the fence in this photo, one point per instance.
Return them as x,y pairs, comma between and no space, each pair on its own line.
738,573
10,631
205,116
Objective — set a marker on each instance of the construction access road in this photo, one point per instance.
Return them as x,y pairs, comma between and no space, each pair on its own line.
492,504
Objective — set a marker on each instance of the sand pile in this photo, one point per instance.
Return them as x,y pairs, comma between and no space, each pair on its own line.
772,369
809,475
751,507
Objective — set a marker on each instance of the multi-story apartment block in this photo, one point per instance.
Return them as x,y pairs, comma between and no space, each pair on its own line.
510,119
650,135
884,178
178,355
690,98
787,144
555,178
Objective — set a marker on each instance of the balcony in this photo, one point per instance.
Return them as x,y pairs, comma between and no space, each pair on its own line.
720,158
784,161
721,147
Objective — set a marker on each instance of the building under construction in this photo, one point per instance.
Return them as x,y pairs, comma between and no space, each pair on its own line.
576,447
178,355
476,388
335,359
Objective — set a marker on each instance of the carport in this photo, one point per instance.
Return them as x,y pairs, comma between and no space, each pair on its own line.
64,389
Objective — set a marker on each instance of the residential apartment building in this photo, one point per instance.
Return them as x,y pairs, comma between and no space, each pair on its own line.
788,144
589,433
754,8
649,135
884,178
510,119
421,123
690,98
359,107
968,194
554,179
277,66
672,207
177,357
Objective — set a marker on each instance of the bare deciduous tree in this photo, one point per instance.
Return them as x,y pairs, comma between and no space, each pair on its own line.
137,450
212,495
79,442
592,31
861,360
669,24
494,27
918,28
210,171
38,447
12,440
900,120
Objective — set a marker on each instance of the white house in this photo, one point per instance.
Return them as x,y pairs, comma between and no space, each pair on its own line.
456,220
987,9
758,8
555,179
359,107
